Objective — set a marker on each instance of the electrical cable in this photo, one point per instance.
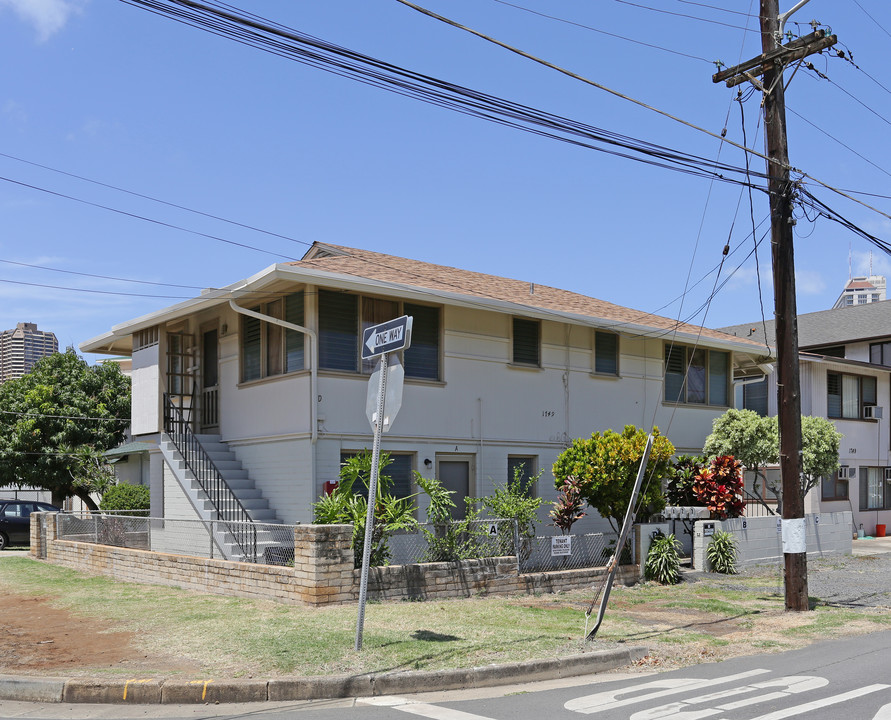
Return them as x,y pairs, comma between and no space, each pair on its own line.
652,46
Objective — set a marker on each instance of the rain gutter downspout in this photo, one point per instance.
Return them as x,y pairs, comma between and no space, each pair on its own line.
313,360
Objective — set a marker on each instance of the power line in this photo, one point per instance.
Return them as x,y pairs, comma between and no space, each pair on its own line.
652,46
878,24
683,15
154,199
293,45
146,219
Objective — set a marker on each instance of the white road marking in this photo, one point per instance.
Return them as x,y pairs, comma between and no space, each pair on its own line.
423,709
825,702
609,699
682,710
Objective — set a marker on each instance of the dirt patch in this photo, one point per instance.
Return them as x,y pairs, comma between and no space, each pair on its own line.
39,639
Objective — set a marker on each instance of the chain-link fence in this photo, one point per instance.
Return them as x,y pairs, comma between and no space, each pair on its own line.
569,552
449,542
265,543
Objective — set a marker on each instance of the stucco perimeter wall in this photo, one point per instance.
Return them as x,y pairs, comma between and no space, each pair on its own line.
760,540
323,571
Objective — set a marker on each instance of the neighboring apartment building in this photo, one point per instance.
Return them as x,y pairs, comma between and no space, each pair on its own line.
862,290
500,374
845,362
22,347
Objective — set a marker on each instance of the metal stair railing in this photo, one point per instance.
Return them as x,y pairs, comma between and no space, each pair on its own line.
228,507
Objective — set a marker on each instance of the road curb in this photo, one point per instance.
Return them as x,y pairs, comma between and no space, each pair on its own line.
147,691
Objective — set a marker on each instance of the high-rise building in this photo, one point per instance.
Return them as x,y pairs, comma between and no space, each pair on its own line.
22,347
861,291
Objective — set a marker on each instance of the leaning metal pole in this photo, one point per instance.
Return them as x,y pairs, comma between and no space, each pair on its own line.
613,566
372,496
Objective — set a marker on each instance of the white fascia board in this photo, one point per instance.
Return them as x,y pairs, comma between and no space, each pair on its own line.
208,299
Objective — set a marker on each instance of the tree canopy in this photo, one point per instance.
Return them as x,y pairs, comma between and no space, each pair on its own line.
56,422
754,441
605,467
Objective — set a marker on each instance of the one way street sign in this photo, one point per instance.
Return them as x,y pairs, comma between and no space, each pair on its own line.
387,337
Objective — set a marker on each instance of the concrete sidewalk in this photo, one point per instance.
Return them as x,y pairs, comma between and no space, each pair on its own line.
137,691
871,546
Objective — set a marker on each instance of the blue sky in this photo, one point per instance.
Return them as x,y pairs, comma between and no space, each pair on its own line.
118,95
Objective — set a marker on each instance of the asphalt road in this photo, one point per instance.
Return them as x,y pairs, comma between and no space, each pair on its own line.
848,679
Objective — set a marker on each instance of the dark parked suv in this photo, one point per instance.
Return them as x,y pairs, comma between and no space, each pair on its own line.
15,520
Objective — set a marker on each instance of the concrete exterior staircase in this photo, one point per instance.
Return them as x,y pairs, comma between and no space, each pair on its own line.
239,484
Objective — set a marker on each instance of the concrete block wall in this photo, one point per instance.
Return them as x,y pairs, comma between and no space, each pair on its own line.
760,539
323,571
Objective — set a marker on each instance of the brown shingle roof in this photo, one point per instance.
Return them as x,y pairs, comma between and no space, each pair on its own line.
441,278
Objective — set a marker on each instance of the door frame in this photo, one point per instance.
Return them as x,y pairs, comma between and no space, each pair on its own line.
469,458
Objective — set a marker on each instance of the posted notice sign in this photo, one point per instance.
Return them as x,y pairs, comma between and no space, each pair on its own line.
561,545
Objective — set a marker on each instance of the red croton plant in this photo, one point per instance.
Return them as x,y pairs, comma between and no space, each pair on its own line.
719,487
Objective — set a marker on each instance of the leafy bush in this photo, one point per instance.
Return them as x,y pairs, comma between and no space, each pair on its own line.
722,552
344,505
568,507
606,465
126,499
513,501
663,560
450,540
682,478
720,488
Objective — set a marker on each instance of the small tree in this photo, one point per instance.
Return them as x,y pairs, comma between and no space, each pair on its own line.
58,419
568,507
819,451
605,467
754,441
751,439
719,488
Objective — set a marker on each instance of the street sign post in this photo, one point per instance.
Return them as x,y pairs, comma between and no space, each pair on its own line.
381,409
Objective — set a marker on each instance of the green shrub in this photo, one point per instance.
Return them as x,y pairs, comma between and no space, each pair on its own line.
721,553
663,561
126,499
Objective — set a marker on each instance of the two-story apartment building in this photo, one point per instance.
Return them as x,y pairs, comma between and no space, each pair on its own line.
845,363
501,374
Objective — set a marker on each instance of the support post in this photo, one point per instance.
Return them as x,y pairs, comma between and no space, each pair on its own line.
788,384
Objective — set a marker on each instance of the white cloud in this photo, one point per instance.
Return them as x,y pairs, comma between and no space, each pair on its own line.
871,263
46,16
809,282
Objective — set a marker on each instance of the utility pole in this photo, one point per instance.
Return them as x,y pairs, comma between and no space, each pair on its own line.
771,64
788,385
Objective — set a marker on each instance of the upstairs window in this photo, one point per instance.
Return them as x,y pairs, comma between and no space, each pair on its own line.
753,396
526,342
340,332
880,353
697,376
606,353
847,395
268,349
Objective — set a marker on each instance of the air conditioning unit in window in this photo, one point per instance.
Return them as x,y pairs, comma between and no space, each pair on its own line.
872,412
888,475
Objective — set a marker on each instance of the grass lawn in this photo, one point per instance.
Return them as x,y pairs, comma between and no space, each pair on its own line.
709,619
